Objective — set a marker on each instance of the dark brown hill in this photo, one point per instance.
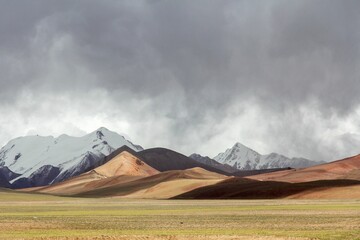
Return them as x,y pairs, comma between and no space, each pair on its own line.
164,159
241,188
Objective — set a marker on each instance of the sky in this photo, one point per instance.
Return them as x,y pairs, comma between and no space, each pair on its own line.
194,76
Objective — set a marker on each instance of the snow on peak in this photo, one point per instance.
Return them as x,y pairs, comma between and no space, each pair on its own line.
240,157
245,158
25,155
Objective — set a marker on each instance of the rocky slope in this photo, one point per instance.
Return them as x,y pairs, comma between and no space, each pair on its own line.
211,162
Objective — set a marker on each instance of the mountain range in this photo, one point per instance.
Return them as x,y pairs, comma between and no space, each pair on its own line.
126,175
104,163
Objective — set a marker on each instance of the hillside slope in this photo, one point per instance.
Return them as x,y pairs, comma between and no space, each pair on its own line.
164,159
160,186
241,188
348,168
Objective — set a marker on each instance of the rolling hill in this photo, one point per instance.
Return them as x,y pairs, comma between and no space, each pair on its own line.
338,179
160,186
126,175
348,168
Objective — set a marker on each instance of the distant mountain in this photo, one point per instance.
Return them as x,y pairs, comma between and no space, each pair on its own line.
38,160
211,162
244,158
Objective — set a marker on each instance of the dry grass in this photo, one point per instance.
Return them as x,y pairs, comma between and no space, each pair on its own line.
175,238
28,216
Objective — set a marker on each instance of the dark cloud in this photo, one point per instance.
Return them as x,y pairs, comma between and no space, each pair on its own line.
191,75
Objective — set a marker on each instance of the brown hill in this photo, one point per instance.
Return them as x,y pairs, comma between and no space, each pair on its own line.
348,168
124,167
163,185
125,164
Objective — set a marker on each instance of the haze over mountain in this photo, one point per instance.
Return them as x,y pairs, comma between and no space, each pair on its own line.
192,76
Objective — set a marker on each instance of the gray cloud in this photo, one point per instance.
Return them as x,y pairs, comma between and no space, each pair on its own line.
190,75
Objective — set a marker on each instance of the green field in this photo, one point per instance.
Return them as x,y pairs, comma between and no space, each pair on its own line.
28,216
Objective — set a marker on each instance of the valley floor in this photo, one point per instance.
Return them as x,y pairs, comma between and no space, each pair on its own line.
34,216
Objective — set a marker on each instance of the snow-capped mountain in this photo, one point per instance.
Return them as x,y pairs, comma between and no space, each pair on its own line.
244,158
58,158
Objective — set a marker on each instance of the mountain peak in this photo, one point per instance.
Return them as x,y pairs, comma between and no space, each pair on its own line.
102,129
241,146
238,144
245,158
101,132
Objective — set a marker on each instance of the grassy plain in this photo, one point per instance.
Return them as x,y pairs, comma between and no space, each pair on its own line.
34,216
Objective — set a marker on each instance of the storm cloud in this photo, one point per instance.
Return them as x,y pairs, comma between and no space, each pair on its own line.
194,76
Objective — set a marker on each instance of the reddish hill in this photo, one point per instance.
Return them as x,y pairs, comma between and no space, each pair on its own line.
125,164
348,168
